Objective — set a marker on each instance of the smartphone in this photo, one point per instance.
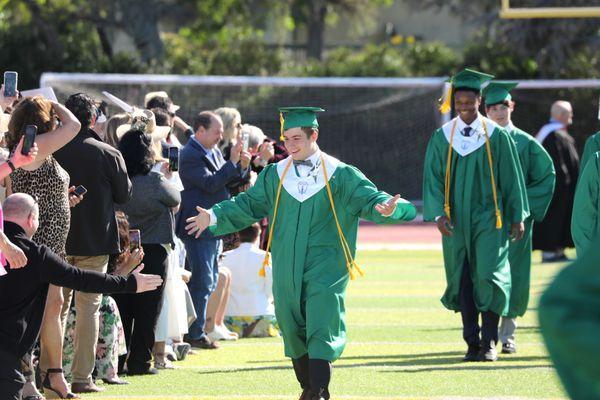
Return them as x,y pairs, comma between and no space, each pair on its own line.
135,239
173,159
245,140
10,83
29,139
79,191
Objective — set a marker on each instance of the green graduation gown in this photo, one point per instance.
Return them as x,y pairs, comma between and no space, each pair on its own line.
475,240
586,206
570,324
309,268
592,145
539,175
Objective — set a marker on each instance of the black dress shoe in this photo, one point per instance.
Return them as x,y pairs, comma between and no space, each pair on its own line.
472,353
488,354
204,343
306,395
509,348
147,371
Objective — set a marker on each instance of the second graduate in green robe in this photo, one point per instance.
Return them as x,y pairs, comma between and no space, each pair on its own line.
473,182
586,206
539,175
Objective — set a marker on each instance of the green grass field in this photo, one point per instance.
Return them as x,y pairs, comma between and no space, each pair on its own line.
402,344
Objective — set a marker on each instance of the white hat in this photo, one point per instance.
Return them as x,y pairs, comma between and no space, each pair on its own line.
149,96
144,120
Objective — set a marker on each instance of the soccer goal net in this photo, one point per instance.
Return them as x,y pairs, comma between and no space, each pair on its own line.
380,125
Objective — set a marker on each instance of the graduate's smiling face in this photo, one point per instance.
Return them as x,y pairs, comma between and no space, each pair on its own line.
500,113
466,104
299,144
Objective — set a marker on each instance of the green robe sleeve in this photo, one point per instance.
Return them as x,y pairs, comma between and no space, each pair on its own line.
362,196
540,180
592,145
510,180
570,322
584,221
246,208
433,179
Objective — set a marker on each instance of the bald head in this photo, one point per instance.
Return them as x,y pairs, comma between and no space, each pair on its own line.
21,209
562,112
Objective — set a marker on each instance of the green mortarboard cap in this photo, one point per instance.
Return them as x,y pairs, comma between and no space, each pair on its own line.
470,79
497,92
298,117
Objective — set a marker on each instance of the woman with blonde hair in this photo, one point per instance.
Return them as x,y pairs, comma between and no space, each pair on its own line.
232,128
46,181
111,128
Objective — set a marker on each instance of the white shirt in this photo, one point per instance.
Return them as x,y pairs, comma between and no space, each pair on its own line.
251,294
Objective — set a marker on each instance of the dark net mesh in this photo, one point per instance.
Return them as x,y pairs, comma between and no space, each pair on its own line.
382,131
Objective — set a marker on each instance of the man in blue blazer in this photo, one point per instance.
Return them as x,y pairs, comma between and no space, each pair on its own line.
205,175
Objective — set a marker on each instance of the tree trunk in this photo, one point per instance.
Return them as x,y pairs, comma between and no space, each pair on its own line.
140,21
316,29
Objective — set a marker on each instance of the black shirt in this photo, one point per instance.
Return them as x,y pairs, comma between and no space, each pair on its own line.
23,291
101,169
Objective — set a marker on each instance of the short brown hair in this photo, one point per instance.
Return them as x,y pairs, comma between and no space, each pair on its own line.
29,111
249,234
309,130
203,119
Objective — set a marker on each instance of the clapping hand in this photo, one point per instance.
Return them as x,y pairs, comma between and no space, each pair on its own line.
196,225
386,209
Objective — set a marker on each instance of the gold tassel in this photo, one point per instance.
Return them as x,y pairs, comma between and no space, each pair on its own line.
267,260
498,220
446,106
281,121
357,268
352,276
447,210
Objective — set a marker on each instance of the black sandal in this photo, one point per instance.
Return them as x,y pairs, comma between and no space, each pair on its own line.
46,385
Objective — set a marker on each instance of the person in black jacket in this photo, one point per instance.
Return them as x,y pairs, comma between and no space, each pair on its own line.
23,291
93,234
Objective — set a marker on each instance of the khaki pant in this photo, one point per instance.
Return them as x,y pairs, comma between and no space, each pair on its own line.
86,324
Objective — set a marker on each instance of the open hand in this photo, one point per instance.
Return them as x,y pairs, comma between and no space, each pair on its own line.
386,209
146,283
445,226
196,225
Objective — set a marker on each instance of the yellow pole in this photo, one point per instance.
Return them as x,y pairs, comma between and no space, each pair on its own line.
547,12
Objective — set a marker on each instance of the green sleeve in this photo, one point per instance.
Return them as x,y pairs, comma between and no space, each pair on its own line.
592,145
433,179
570,322
246,208
540,180
510,180
362,196
585,206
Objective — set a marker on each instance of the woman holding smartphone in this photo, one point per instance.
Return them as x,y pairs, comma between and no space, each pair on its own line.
45,180
150,209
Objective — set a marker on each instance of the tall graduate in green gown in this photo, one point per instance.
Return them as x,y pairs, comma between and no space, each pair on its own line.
539,175
586,206
570,323
313,202
473,182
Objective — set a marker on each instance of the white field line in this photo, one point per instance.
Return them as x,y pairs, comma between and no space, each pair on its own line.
287,397
379,343
399,246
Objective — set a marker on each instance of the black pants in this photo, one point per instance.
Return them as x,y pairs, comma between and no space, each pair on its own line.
11,379
470,316
139,312
313,374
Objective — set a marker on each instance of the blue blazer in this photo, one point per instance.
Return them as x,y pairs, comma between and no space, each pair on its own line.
204,183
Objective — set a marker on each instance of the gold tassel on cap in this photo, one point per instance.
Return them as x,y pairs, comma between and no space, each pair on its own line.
281,121
447,104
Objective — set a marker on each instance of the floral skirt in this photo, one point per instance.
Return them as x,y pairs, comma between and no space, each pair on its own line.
253,326
111,341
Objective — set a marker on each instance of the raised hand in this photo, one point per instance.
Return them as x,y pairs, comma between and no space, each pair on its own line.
19,160
196,225
386,209
146,283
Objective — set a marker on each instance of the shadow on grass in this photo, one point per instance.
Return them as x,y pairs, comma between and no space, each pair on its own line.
443,361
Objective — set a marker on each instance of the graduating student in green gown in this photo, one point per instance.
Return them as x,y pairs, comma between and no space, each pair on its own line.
539,175
472,183
570,323
586,206
592,145
313,202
